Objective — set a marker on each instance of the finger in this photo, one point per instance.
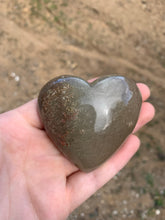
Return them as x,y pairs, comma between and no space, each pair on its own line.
91,80
147,113
82,185
144,90
30,112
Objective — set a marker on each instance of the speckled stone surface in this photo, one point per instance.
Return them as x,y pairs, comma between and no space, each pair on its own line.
88,122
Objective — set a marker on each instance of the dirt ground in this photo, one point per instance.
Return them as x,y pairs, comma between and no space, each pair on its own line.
40,39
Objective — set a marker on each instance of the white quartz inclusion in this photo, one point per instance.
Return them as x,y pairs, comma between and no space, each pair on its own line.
104,97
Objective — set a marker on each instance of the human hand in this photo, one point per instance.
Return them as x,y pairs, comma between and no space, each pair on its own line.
36,181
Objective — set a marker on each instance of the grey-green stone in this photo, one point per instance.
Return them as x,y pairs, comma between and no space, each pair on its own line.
88,122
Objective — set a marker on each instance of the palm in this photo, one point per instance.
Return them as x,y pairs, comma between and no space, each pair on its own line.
36,181
40,167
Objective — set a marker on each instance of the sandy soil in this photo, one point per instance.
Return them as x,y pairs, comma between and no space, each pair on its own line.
40,39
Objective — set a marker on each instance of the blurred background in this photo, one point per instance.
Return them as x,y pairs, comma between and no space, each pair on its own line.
41,39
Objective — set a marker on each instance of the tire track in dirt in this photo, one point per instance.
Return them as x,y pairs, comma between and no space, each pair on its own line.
15,31
114,61
42,44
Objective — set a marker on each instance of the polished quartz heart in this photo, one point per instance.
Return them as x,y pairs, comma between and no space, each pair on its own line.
88,122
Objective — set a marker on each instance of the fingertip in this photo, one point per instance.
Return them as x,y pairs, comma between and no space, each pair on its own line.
91,80
131,140
145,91
147,113
150,108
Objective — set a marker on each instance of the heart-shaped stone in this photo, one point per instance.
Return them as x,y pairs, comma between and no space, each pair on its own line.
88,122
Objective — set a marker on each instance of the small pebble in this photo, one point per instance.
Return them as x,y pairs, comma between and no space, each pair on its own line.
157,212
132,212
13,75
115,212
144,1
162,192
17,78
82,214
124,202
137,195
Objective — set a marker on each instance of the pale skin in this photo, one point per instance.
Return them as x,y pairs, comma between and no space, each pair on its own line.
36,181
